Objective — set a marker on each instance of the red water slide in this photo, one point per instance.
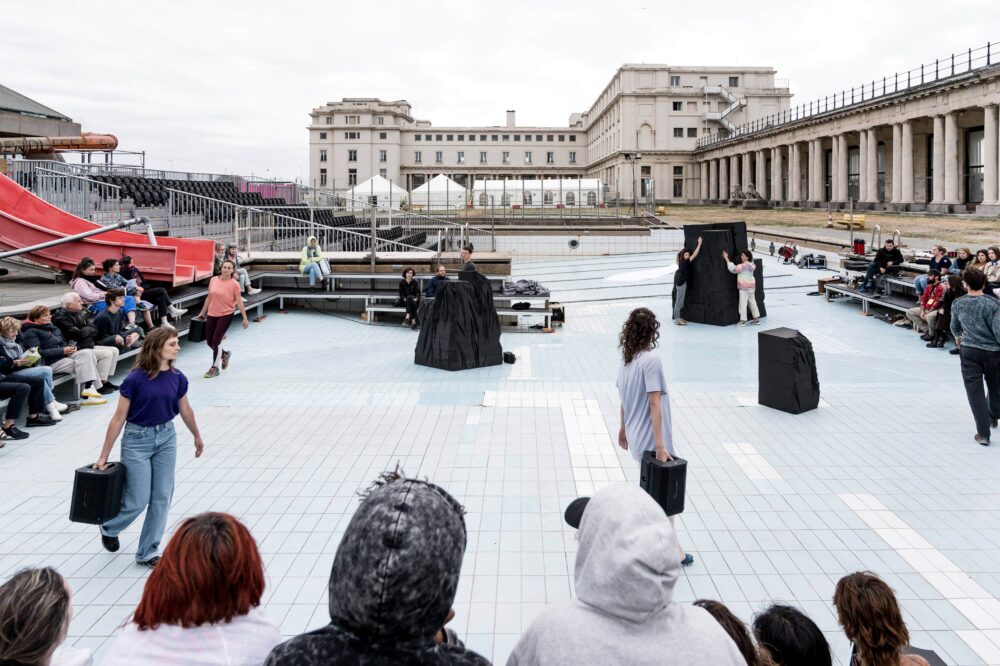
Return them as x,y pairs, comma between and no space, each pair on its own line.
26,220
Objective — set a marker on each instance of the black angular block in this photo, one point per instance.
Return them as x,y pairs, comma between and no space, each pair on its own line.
460,328
97,494
786,371
664,481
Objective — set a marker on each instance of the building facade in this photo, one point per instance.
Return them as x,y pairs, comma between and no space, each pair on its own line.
638,136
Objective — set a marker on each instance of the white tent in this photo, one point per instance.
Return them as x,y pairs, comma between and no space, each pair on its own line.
438,193
376,191
552,193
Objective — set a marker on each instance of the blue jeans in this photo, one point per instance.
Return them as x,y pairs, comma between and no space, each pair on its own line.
45,373
101,306
314,272
149,454
920,282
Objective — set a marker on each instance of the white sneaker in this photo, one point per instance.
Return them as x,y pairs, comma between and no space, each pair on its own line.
177,312
89,400
243,299
62,407
254,292
167,324
91,393
53,411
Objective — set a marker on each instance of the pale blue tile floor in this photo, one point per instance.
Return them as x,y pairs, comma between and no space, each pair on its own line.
883,476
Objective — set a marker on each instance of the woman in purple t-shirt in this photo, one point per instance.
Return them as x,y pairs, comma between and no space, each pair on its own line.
153,393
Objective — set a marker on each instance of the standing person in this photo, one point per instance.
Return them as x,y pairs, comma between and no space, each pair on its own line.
467,263
975,323
309,264
35,611
409,297
886,258
746,284
870,615
440,277
645,401
153,393
681,278
223,298
232,253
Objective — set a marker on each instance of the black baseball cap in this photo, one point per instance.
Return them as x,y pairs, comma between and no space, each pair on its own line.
574,512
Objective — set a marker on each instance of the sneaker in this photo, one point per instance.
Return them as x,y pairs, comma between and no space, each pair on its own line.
177,312
151,562
107,389
742,323
756,322
253,292
72,407
89,401
688,560
14,432
413,326
40,420
53,411
994,423
985,441
406,322
62,407
108,382
212,372
243,299
864,290
110,543
90,393
225,358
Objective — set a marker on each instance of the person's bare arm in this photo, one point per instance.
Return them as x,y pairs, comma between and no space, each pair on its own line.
697,249
243,311
622,439
187,415
656,416
114,429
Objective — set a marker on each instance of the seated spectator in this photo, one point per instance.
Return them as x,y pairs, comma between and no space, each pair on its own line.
942,323
627,564
309,264
220,256
963,259
86,283
35,612
981,260
868,612
157,295
992,268
786,637
112,279
733,626
440,277
75,321
201,604
113,330
412,533
939,262
232,253
91,367
887,259
409,297
16,394
14,346
924,315
467,263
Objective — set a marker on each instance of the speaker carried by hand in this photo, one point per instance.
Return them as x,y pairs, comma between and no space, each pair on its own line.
97,494
664,481
196,331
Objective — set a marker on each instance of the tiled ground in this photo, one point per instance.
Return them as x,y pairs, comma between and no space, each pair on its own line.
883,476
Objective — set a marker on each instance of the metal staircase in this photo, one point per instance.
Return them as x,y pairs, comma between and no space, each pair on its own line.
721,117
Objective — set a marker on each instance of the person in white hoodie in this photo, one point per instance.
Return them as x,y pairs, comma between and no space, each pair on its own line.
626,567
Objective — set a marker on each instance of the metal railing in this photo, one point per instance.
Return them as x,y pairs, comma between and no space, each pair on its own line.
266,231
941,69
76,194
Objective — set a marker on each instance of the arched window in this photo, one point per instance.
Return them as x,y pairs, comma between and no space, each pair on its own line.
484,200
571,198
548,199
591,198
528,196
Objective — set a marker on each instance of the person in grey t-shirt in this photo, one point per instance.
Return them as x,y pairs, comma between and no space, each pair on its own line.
975,323
645,401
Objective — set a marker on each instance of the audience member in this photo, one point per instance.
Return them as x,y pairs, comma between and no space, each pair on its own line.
440,277
981,261
645,423
786,637
733,626
992,268
156,297
35,612
681,278
113,329
86,283
392,585
746,284
409,297
922,316
77,326
467,263
17,392
939,262
963,259
942,323
309,264
887,260
220,255
202,602
242,275
112,279
975,323
19,369
868,612
217,311
152,395
131,272
625,573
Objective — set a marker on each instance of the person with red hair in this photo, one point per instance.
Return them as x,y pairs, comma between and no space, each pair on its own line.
201,603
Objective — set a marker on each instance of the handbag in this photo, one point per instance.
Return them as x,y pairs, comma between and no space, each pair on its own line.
196,330
324,266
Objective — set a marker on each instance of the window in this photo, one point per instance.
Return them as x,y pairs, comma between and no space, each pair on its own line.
506,157
527,198
427,137
472,137
538,137
383,173
461,157
734,82
322,177
506,137
678,132
352,156
322,135
484,200
461,137
353,120
572,137
677,106
527,137
591,198
548,199
678,187
562,137
692,132
571,198
383,135
418,157
322,156
381,120
329,120
495,137
482,157
517,137
482,137
383,155
439,157
550,137
550,157
352,135
527,157
451,137
417,137
572,157
352,176
678,171
675,80
439,137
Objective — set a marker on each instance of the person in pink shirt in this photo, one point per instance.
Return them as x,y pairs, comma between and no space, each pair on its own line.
746,283
223,299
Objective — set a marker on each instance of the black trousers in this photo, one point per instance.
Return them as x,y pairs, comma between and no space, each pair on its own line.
36,394
412,306
16,395
979,366
158,296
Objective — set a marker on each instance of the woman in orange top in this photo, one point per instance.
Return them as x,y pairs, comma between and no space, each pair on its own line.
223,298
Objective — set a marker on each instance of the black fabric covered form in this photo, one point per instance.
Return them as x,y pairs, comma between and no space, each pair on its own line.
460,329
786,371
712,297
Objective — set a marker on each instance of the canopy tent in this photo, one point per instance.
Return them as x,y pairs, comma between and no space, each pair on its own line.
376,191
438,193
551,193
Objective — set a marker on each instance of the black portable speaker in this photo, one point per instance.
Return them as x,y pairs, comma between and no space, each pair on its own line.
97,494
196,331
664,481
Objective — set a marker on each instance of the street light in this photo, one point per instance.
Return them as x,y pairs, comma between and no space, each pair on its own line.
629,157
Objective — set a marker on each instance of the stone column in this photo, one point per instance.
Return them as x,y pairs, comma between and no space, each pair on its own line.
951,170
872,165
863,165
938,167
794,173
745,177
734,172
724,178
777,191
761,177
834,167
906,163
841,166
820,176
991,148
713,180
897,163
703,183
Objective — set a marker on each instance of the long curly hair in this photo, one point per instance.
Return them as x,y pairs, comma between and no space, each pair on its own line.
870,615
641,332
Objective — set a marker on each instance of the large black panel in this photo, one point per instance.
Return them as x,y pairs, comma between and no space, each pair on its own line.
712,297
786,371
460,329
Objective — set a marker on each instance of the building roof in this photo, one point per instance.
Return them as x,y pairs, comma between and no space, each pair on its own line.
18,103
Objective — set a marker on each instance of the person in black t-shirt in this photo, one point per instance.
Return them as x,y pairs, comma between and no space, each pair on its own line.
681,277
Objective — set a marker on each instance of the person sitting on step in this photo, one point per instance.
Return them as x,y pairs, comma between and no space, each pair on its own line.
887,260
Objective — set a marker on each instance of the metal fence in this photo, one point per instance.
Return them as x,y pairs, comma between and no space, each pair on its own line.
78,195
941,69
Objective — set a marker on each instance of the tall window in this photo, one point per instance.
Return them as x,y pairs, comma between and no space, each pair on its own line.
571,198
352,176
482,157
383,156
678,187
677,106
461,157
678,132
675,80
353,120
381,120
974,165
854,172
418,157
548,198
506,157
322,177
352,156
550,157
439,157
329,120
572,157
527,157
734,82
322,155
591,198
692,132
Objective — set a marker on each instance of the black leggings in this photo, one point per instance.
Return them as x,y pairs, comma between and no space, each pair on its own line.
215,330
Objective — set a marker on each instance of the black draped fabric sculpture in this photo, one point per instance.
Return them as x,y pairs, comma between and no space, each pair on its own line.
712,297
460,328
786,371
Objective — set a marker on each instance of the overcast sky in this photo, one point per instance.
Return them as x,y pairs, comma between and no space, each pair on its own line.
227,87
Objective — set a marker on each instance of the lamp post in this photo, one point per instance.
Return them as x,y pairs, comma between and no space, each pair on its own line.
629,157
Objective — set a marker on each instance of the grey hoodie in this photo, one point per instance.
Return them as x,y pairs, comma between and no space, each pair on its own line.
626,568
